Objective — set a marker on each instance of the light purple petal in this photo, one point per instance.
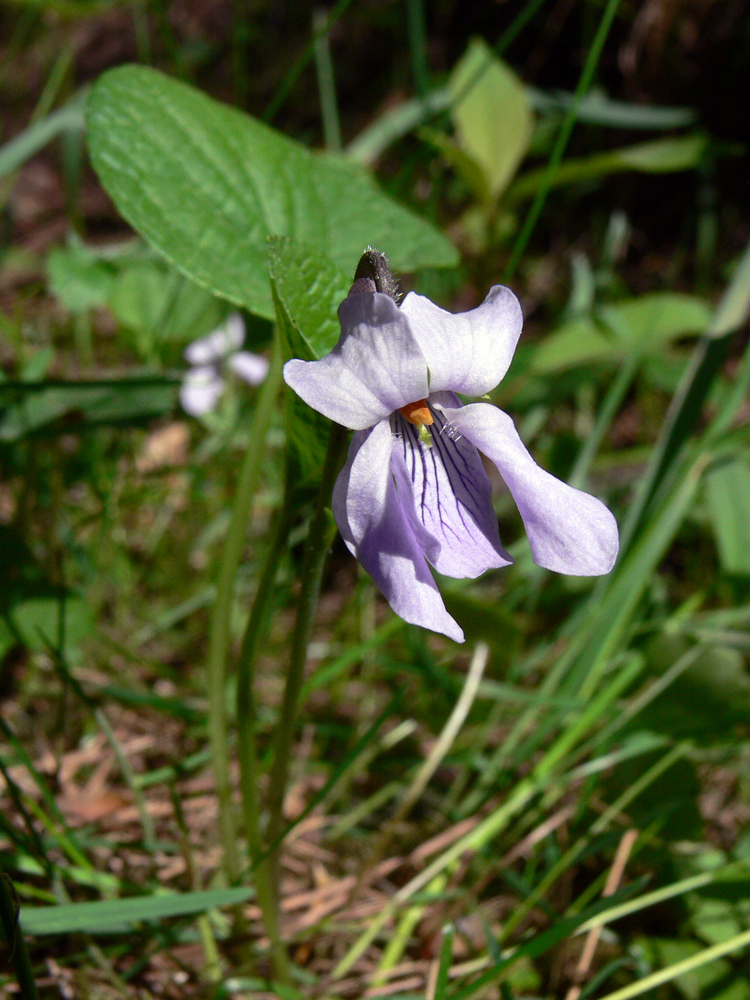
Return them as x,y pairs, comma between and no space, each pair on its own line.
375,368
467,352
200,390
216,345
450,496
372,521
251,368
569,531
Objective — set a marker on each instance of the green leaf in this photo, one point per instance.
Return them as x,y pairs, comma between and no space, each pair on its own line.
598,109
716,920
491,114
727,490
207,184
669,800
66,408
468,168
37,365
716,979
664,156
532,948
118,914
482,620
659,157
78,278
159,304
41,620
22,147
641,325
307,289
708,703
595,108
311,288
734,307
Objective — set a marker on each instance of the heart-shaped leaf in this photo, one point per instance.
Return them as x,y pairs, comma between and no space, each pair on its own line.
307,289
207,184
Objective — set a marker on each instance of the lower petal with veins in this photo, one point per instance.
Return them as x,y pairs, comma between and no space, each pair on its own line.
379,534
569,531
452,498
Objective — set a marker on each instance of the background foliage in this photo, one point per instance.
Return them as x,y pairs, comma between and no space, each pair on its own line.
559,808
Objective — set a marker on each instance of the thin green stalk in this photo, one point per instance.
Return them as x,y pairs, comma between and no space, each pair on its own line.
610,406
579,475
682,968
526,789
55,80
65,837
147,823
212,967
219,628
680,888
142,32
686,407
246,730
415,22
516,26
569,858
17,951
616,609
285,87
246,712
240,39
318,540
326,83
679,423
584,83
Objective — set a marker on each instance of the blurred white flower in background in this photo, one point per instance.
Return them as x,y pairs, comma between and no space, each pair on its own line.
205,382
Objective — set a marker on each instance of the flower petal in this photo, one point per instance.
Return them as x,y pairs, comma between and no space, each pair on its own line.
251,368
375,368
200,390
467,352
377,531
451,497
216,345
569,531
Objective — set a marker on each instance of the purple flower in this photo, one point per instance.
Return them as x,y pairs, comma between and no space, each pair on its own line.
414,491
204,383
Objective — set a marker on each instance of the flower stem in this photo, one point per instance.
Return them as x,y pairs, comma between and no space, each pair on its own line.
609,408
584,82
15,942
219,630
318,540
246,732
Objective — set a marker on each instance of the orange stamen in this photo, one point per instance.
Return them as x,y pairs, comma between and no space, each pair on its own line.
417,413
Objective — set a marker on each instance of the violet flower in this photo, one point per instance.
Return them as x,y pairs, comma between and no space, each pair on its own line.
414,491
204,382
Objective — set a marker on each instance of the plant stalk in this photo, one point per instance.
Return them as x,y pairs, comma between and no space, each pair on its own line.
318,540
219,630
17,951
584,82
247,733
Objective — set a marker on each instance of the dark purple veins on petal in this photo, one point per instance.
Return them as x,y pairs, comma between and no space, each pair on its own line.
451,494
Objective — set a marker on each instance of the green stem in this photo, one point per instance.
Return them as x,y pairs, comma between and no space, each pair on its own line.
417,32
329,110
584,83
246,731
610,406
14,937
219,629
246,713
318,540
